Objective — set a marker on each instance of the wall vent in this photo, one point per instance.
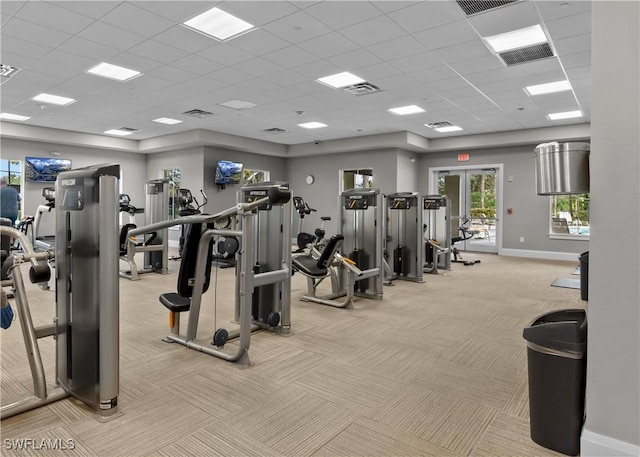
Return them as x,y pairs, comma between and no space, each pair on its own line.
364,88
275,130
438,125
201,114
471,7
528,54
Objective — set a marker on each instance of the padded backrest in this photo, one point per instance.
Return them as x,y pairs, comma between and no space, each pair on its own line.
189,257
334,243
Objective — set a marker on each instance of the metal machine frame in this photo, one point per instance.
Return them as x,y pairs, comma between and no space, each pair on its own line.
404,244
437,233
86,325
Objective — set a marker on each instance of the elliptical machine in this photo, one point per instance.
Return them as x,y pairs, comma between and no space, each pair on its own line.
303,239
466,234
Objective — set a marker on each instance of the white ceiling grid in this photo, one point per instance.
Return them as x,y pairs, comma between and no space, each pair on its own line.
424,53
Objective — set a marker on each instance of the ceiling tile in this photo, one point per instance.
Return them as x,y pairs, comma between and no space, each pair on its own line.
533,68
225,54
259,13
328,45
11,8
160,52
259,42
54,17
34,33
573,44
397,48
296,27
258,67
176,11
422,61
342,14
89,8
579,72
134,62
16,46
446,35
183,38
478,65
129,17
84,85
230,74
286,78
354,59
291,56
89,49
555,9
426,15
378,71
172,73
570,26
111,36
434,74
205,83
62,64
577,59
498,86
464,51
373,31
197,65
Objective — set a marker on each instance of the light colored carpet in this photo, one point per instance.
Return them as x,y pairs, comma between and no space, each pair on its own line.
434,369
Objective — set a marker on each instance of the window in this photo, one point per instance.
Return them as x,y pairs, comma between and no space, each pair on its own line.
569,216
357,179
174,176
253,176
11,170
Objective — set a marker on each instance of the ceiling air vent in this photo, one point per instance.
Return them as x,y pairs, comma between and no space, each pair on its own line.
528,54
362,89
439,125
274,130
201,114
478,6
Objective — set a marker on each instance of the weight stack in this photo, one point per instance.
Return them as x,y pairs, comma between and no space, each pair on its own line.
401,260
362,260
262,300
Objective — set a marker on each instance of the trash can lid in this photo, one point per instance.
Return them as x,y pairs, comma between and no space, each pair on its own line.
564,330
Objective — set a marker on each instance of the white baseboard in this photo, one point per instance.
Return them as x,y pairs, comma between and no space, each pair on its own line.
596,445
548,255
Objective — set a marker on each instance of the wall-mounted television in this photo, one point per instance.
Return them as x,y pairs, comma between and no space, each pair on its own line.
44,169
228,172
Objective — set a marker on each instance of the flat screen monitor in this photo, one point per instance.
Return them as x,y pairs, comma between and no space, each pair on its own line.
228,172
45,169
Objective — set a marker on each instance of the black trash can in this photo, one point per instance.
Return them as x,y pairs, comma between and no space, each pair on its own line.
557,358
584,276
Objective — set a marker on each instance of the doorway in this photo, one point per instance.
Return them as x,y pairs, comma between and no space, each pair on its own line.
476,201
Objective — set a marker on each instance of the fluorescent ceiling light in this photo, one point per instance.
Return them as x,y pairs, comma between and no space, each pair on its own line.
167,120
14,117
107,70
237,104
312,125
339,80
53,99
404,110
565,115
548,88
451,128
520,38
218,24
118,132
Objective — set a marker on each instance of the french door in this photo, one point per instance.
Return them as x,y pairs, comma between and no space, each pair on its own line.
475,199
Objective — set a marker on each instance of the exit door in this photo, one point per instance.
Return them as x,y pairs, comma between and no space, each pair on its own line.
474,207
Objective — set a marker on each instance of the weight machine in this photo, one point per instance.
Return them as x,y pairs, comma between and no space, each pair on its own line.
263,270
155,246
86,324
48,241
404,219
437,233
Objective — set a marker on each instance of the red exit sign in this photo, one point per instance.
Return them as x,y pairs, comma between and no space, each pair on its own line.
463,157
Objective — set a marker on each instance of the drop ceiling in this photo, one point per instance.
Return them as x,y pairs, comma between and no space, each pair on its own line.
429,54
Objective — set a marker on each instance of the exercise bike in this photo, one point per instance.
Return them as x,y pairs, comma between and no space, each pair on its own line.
465,234
303,239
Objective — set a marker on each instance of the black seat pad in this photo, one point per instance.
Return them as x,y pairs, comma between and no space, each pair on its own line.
174,302
308,266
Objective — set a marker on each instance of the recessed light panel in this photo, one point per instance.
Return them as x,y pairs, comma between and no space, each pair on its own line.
107,70
404,110
312,125
117,132
237,104
167,120
453,128
565,115
339,80
53,99
219,24
14,117
548,88
520,38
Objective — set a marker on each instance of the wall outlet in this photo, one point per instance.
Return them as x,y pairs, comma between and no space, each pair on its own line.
522,239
